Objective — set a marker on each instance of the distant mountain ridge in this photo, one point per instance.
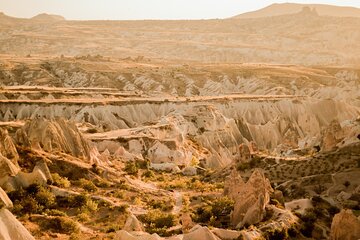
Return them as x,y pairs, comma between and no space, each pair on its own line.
292,8
48,17
40,17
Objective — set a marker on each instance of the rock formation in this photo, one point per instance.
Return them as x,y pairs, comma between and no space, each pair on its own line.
5,200
7,170
7,147
250,199
200,233
233,184
345,226
11,228
54,135
133,224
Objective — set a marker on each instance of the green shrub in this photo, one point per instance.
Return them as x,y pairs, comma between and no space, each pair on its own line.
131,168
276,234
87,185
215,213
164,205
82,202
59,181
112,228
34,199
83,217
148,174
55,212
61,225
157,221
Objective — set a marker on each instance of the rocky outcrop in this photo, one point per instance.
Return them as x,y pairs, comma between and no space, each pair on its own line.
54,135
7,170
40,175
5,200
7,147
226,234
233,184
11,228
250,199
345,226
133,224
339,134
200,233
124,235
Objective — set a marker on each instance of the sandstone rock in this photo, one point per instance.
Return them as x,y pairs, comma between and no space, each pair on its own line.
5,200
200,233
186,222
233,184
63,192
11,228
26,179
168,167
124,235
345,226
7,169
331,136
42,166
244,153
133,224
226,234
250,200
189,171
54,135
7,147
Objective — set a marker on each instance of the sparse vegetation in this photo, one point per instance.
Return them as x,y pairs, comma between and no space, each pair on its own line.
158,222
59,181
60,225
215,213
87,185
34,199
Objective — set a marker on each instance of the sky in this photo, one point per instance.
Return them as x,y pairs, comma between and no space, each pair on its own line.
144,9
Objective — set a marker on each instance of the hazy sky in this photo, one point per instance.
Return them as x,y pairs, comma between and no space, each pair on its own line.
144,9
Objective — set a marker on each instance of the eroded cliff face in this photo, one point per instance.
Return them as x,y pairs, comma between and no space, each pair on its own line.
54,135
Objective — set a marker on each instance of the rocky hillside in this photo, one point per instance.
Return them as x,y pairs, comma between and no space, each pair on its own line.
297,38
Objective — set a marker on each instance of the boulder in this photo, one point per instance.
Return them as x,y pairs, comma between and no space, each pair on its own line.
7,169
189,171
345,226
124,235
11,228
186,222
200,233
226,234
167,167
250,199
26,179
133,224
